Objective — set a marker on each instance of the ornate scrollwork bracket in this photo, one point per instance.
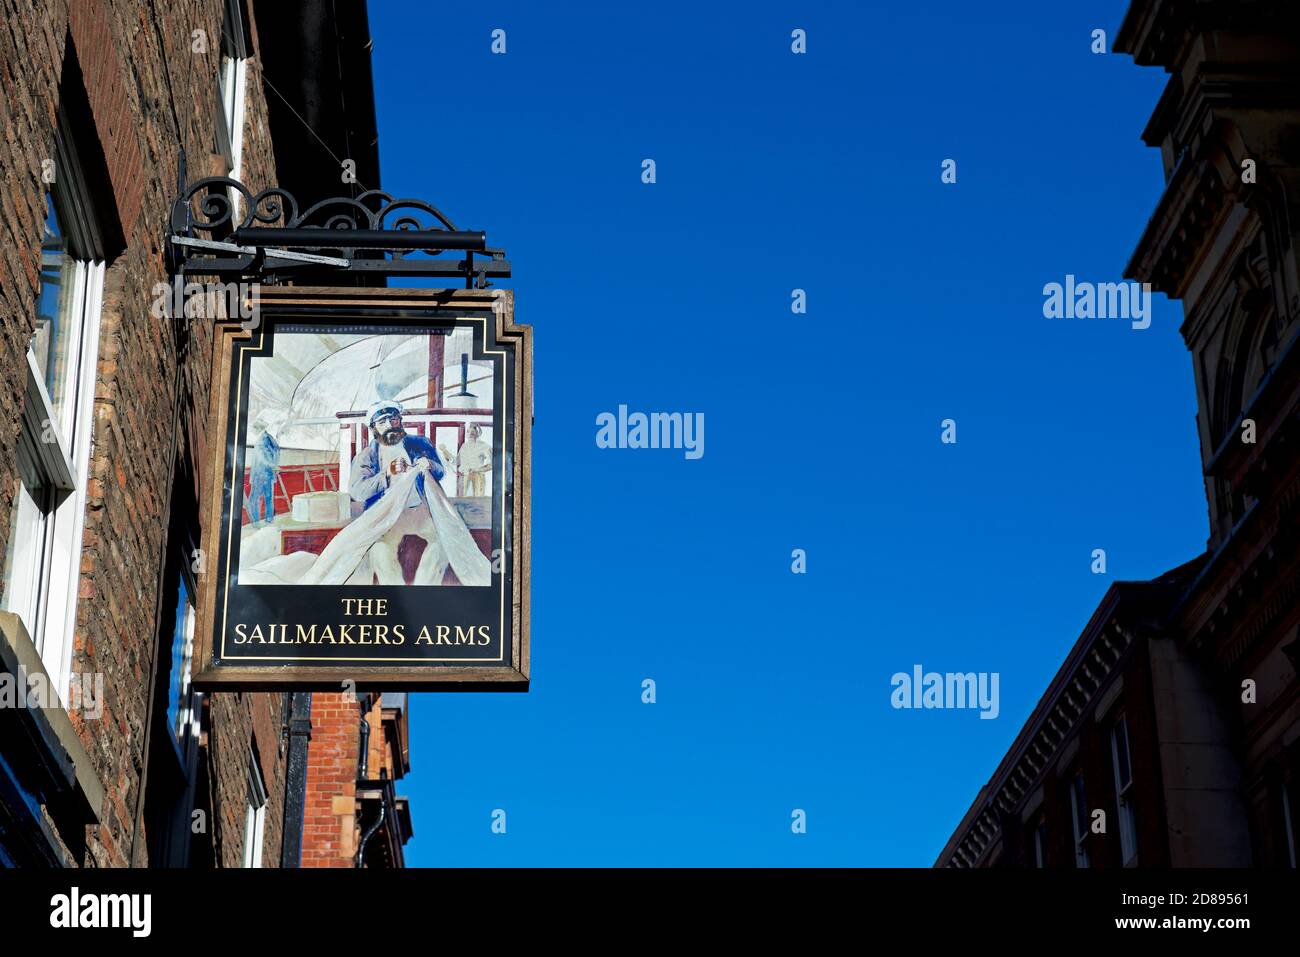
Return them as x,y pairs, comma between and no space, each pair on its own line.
219,227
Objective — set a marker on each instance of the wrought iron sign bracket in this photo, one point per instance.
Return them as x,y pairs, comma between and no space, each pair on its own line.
236,234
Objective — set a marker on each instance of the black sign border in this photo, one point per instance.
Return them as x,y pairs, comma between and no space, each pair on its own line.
410,311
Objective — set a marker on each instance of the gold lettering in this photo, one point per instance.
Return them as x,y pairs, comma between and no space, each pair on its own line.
364,606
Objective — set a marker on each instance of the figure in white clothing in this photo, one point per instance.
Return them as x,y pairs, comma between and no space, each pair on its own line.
474,462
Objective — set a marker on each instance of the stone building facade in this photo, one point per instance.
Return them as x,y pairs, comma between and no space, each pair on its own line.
102,408
1177,713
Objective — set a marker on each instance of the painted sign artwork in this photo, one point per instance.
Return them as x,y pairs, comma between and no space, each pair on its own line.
356,474
366,496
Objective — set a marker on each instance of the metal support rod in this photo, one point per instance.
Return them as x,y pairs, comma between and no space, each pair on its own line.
375,232
362,238
220,266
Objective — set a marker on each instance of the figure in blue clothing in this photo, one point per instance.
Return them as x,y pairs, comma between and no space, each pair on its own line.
390,453
263,462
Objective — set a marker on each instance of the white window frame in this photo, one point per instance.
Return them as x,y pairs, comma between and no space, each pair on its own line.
255,818
1123,793
232,84
1081,859
29,550
233,81
46,553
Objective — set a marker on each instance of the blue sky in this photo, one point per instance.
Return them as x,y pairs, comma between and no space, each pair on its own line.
777,171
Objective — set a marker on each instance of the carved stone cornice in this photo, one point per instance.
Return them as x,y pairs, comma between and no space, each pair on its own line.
1193,207
1081,682
1161,32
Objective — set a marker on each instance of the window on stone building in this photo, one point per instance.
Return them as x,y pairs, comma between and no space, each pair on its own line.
255,818
1123,767
43,554
1079,815
1040,843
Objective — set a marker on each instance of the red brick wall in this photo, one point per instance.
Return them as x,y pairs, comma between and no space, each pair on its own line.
104,77
127,60
329,834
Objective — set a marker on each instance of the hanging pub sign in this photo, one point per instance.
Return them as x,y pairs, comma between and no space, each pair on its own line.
365,511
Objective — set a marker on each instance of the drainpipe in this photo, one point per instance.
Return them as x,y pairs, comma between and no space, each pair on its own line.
298,727
363,770
363,759
370,832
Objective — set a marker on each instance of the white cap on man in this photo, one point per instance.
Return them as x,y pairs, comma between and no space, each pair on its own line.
384,407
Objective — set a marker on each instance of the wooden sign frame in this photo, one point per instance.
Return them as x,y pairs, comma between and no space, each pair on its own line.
291,663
